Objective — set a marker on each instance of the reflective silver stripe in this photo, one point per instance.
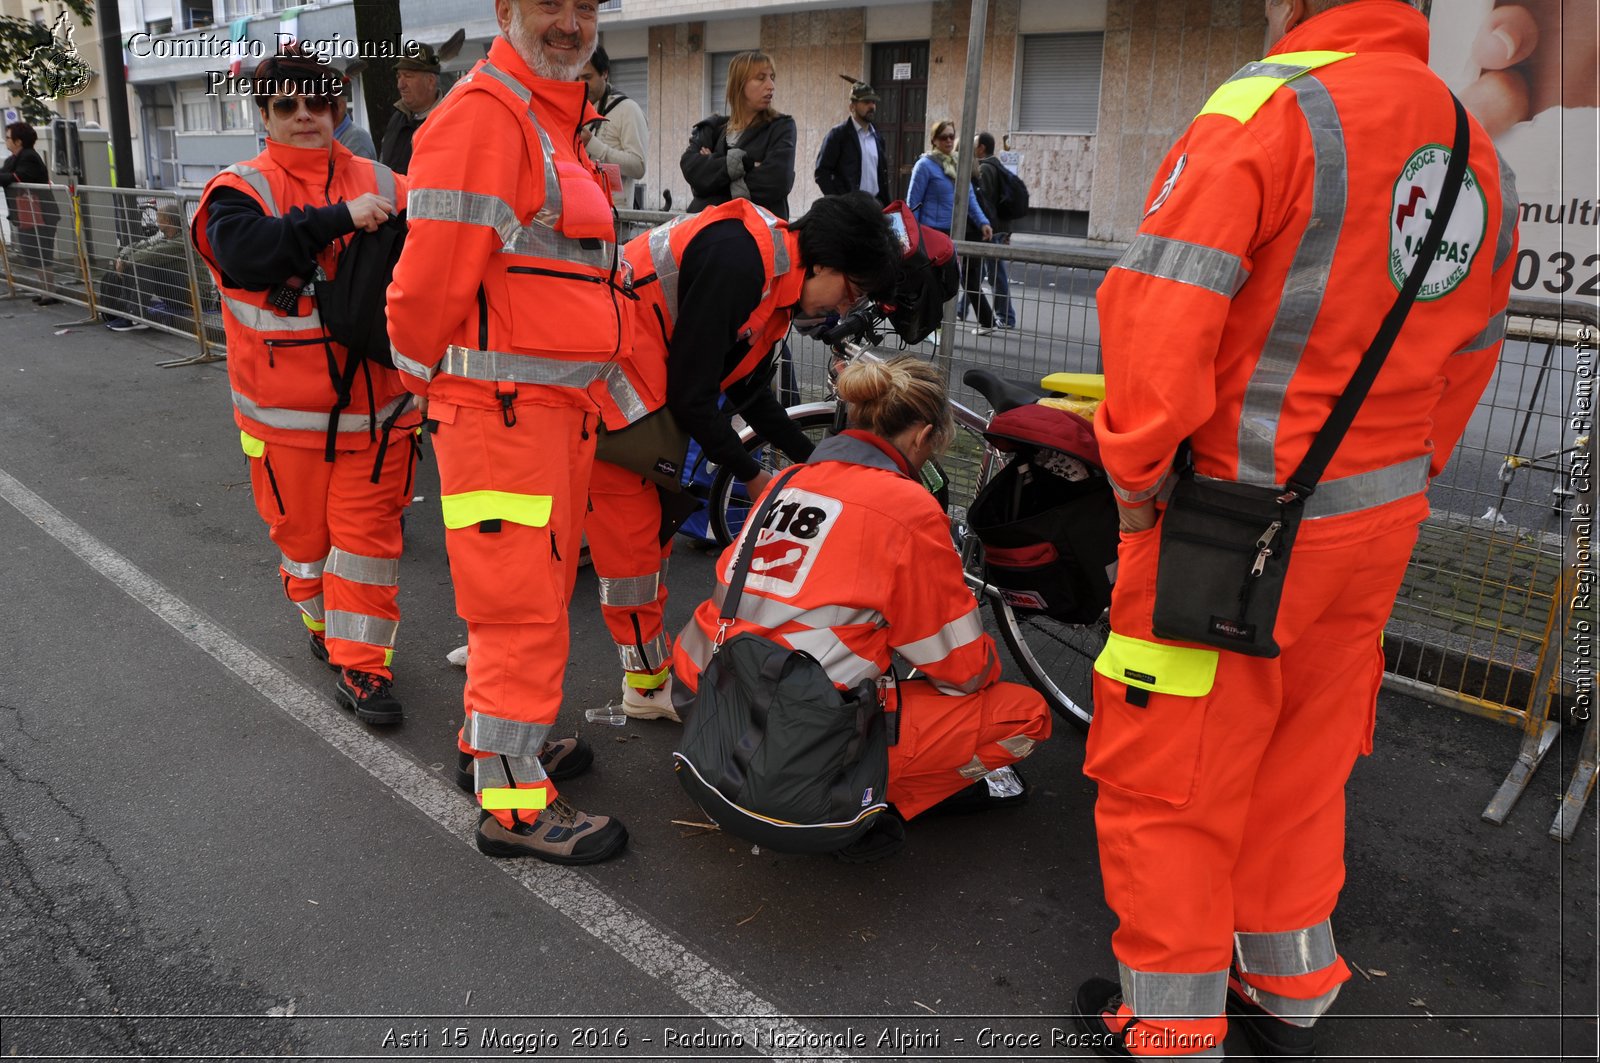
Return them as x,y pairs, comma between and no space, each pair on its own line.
973,768
360,627
1286,953
1135,497
493,734
302,569
520,368
962,631
1295,1012
655,654
780,249
1193,264
522,92
624,394
973,683
630,590
545,242
1018,746
257,181
550,210
468,208
311,607
665,265
1511,209
260,319
410,366
836,658
696,645
374,571
1366,490
1493,333
1160,995
490,773
771,614
1266,69
1303,286
309,421
385,179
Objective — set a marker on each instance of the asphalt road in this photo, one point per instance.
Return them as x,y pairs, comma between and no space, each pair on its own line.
202,855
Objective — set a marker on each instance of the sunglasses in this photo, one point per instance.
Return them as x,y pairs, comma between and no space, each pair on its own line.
289,106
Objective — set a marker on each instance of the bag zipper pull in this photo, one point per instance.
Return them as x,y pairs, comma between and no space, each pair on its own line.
1264,548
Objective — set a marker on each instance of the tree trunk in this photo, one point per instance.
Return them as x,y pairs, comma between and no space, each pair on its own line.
378,21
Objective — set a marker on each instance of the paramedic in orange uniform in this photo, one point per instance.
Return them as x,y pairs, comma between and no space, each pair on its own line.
715,293
861,566
506,313
1275,239
329,438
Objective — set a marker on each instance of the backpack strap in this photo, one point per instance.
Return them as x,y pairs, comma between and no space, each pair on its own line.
741,564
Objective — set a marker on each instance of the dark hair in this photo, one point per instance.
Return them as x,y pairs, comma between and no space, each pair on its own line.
294,71
850,234
600,61
987,140
22,133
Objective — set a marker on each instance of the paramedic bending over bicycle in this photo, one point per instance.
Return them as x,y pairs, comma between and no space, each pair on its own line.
856,562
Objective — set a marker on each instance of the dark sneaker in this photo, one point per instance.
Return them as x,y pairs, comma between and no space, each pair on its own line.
884,838
319,648
563,758
1270,1036
1097,1003
122,324
561,835
370,697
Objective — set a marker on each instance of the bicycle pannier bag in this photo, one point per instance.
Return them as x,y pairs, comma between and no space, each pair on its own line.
1048,520
772,750
926,278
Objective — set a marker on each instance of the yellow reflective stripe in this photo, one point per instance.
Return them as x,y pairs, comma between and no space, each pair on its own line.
388,658
474,507
1242,95
253,447
504,797
314,625
646,681
1187,671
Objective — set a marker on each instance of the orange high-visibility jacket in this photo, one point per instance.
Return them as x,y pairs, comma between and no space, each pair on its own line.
278,364
509,272
855,561
1276,236
654,258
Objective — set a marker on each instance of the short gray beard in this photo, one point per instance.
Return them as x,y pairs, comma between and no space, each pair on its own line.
532,51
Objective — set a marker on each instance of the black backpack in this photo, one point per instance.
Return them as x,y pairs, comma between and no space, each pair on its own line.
925,277
352,303
1013,192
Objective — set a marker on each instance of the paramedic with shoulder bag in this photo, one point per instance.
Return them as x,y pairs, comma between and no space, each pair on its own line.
856,563
328,433
1276,245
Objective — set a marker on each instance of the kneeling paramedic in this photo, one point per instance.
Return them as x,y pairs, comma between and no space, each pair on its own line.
856,563
714,293
506,311
329,434
1277,237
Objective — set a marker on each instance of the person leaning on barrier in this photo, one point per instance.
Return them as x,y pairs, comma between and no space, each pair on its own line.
856,564
328,435
36,235
507,312
1274,240
715,294
155,268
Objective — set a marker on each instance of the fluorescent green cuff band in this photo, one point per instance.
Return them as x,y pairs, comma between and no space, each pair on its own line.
508,797
253,447
645,681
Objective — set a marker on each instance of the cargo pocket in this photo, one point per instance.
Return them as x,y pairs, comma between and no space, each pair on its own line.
502,557
1149,717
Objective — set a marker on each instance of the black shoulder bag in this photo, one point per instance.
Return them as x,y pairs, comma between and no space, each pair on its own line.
772,750
1225,546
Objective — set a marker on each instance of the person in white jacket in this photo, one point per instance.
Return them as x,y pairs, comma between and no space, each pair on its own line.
619,140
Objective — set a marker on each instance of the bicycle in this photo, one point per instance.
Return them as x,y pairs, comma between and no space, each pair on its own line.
1056,658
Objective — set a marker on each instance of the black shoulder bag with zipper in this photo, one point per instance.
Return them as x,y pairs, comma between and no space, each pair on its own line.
772,750
1225,546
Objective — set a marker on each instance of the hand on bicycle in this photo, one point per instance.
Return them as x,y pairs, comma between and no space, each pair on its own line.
757,484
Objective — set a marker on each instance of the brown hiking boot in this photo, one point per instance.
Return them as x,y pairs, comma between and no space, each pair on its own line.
562,758
561,835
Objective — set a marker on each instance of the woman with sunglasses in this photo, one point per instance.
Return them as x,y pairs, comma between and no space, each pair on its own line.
327,433
932,199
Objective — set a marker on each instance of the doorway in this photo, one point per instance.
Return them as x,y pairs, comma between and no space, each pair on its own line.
903,111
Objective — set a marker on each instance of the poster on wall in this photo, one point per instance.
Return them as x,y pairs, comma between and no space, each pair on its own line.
1528,71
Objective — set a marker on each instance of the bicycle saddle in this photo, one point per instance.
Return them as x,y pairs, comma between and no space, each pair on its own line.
1002,394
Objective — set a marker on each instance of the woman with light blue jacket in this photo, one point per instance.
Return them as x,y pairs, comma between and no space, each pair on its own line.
932,198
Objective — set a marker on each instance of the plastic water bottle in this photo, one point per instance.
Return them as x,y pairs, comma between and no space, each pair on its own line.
610,713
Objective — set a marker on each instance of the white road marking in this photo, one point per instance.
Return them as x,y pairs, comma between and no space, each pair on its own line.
653,950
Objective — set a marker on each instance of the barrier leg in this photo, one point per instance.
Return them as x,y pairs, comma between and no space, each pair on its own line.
1582,785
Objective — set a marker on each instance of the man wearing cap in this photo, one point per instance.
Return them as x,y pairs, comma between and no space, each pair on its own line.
417,78
852,155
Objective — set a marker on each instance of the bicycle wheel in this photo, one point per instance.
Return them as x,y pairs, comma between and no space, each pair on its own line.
1057,658
729,504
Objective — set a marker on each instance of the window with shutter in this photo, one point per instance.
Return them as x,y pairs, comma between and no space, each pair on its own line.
1059,83
719,81
632,78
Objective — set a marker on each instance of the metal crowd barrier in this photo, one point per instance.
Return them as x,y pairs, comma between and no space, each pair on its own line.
1485,621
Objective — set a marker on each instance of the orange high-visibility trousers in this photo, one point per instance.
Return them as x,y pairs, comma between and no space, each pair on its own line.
339,538
1223,815
513,580
948,740
624,534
